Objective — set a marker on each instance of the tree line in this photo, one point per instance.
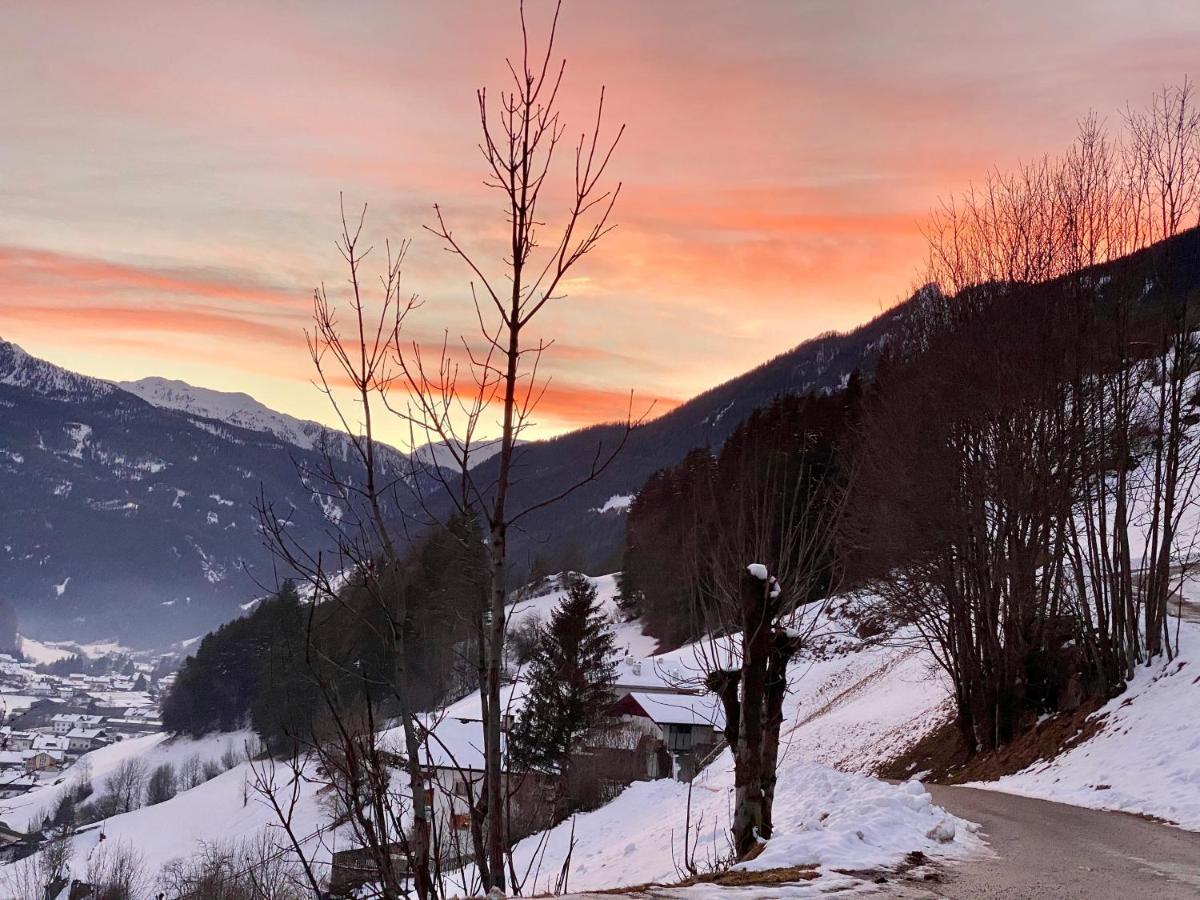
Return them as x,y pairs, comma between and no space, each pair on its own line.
1019,476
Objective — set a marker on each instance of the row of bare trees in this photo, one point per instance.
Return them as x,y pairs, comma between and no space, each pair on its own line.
1027,481
453,398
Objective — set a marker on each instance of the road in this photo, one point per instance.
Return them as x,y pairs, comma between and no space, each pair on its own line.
1043,851
1059,852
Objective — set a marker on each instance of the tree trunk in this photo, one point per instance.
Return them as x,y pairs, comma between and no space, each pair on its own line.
495,832
748,758
783,647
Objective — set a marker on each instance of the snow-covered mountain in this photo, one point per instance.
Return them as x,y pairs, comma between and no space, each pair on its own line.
242,410
234,408
20,370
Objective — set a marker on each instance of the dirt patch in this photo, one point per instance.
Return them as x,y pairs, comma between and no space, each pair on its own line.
942,758
739,878
730,878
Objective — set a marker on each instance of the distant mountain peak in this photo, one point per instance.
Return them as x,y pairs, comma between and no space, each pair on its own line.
21,369
231,407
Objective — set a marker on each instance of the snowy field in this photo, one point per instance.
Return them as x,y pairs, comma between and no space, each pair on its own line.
29,810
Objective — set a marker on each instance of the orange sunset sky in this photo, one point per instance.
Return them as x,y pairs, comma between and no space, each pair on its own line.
170,171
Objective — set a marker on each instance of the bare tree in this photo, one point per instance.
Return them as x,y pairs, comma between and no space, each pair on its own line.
521,133
127,785
116,871
162,785
447,401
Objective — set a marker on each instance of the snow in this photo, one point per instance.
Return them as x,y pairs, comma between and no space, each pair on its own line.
154,749
1146,758
850,706
224,809
826,818
682,709
615,503
19,369
39,653
629,638
233,408
758,570
438,453
79,433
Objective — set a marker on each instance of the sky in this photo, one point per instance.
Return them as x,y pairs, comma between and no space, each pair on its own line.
170,173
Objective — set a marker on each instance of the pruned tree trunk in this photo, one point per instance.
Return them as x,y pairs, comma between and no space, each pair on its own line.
749,812
784,645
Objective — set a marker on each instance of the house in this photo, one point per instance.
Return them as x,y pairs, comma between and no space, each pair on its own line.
64,722
84,740
14,784
651,676
17,740
50,743
454,766
41,760
685,729
12,759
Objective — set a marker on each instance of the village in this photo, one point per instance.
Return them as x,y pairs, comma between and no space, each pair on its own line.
49,717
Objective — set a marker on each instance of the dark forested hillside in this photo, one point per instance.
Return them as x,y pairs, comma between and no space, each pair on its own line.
573,534
775,478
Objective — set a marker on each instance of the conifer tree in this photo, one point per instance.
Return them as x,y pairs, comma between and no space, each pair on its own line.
570,682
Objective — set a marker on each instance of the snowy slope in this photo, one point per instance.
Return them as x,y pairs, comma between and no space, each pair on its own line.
153,750
19,369
1146,757
40,653
836,714
630,640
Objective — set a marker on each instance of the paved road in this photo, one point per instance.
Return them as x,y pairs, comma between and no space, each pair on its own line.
1043,851
1059,852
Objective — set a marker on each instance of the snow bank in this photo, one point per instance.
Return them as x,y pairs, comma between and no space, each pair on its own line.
1146,757
826,818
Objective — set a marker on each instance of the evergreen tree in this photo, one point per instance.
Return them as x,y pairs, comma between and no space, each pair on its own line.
570,682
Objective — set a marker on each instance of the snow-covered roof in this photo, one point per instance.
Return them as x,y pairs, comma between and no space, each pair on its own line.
648,674
681,709
456,743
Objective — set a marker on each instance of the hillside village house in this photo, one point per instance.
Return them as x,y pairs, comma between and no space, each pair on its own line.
685,730
660,729
43,760
84,740
65,722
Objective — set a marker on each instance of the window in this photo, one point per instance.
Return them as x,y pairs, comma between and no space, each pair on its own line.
679,737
